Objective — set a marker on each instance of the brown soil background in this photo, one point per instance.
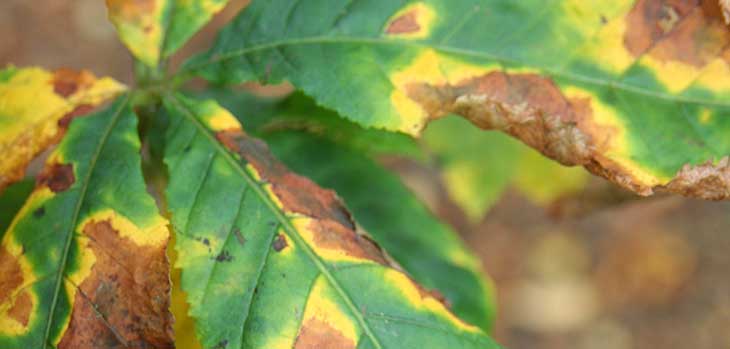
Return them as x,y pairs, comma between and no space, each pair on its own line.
601,269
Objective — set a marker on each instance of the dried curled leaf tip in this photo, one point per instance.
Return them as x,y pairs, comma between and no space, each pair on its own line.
709,181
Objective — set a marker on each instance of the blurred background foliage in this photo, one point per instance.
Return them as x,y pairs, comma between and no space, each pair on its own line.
576,261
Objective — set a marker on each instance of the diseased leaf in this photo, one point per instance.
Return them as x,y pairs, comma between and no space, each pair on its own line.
476,166
154,29
270,260
427,249
35,108
83,264
634,90
333,156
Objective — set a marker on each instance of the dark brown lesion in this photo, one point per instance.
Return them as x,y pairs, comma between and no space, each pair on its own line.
404,24
125,301
279,243
57,177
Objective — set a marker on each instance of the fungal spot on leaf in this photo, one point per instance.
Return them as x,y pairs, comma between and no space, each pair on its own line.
239,237
57,177
39,212
317,334
224,256
221,345
279,243
128,285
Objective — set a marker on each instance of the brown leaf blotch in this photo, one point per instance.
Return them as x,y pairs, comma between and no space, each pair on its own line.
22,308
317,334
688,31
11,276
403,24
297,193
696,40
649,20
67,81
125,301
11,279
334,236
57,177
302,196
527,106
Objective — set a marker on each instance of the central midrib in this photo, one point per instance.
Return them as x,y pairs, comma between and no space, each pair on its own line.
333,40
77,211
284,221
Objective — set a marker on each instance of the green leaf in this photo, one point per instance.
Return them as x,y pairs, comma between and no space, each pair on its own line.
478,166
83,263
155,29
632,90
11,200
427,249
299,112
270,260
